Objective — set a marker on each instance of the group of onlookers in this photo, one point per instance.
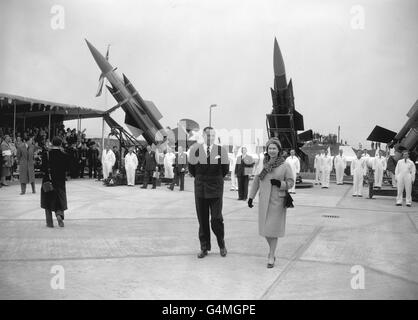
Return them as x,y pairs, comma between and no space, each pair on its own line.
398,167
153,163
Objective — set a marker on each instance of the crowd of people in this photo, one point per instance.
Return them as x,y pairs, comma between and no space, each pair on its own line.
21,154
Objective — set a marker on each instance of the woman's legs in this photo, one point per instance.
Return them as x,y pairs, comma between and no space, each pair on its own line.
22,188
48,215
33,187
273,245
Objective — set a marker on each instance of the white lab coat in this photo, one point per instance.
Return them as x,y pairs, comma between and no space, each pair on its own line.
367,160
232,163
358,170
108,161
339,163
294,163
326,167
317,167
131,163
169,160
379,165
405,177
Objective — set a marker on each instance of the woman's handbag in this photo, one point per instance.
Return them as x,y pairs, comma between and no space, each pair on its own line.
47,185
288,201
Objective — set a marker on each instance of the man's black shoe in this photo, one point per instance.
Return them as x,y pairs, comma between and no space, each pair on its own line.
223,252
202,254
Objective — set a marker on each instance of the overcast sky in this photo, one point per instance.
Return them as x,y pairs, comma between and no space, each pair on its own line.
188,54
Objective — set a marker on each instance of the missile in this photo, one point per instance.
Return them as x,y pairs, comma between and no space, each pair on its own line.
278,67
284,121
141,116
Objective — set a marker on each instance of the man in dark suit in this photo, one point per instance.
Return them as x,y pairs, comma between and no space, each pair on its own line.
180,166
209,164
243,169
149,165
92,159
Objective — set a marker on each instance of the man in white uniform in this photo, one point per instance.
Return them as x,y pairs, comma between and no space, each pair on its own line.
294,163
405,176
326,167
169,160
232,163
379,166
366,157
131,163
340,163
317,167
108,161
358,170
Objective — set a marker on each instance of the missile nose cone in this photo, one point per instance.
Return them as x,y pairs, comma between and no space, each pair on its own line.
103,64
278,66
278,63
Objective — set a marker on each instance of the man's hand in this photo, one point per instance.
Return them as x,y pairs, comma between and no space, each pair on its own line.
250,203
275,182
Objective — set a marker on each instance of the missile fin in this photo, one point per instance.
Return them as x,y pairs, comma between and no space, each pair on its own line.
298,120
305,136
153,110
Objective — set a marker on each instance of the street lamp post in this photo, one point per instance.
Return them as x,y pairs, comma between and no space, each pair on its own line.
210,113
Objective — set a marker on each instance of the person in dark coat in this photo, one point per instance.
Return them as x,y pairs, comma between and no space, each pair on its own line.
82,152
180,166
74,161
25,160
150,166
93,160
57,162
243,169
209,164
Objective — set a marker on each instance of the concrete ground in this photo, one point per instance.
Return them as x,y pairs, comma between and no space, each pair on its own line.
129,243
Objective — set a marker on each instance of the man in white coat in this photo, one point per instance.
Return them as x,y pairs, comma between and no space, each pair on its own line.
232,163
326,167
405,176
294,163
169,160
131,163
358,171
366,157
379,166
317,167
108,161
340,163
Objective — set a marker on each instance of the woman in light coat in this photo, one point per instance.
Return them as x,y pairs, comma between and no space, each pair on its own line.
275,178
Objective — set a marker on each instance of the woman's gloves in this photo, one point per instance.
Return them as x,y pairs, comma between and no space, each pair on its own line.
275,182
250,203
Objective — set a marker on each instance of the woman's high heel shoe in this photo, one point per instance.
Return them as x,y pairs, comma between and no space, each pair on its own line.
271,265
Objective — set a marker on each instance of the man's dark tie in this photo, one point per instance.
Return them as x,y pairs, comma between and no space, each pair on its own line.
208,152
